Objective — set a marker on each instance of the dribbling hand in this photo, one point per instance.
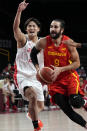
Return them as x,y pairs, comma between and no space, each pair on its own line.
55,73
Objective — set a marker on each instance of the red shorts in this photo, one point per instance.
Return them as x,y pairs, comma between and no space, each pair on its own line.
67,85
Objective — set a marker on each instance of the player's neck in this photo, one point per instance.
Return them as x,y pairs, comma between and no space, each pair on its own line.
57,41
33,38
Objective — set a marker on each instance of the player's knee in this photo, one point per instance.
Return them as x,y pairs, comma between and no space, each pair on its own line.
30,93
76,101
40,105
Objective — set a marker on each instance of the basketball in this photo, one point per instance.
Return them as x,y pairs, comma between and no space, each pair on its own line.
44,75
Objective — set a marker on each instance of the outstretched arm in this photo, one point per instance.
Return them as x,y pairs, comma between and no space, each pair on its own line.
19,36
75,44
72,43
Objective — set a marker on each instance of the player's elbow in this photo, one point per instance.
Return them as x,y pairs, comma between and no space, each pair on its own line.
78,64
14,27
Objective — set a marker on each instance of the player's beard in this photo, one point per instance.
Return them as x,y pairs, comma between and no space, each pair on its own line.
55,35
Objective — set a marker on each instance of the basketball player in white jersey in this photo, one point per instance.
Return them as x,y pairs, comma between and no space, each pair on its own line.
25,72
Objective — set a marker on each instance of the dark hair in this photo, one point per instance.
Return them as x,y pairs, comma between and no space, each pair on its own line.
62,22
34,20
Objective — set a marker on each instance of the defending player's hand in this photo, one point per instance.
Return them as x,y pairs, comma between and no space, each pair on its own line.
22,6
39,78
55,73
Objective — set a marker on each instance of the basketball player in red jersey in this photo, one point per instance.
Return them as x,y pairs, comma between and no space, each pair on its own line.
25,72
64,59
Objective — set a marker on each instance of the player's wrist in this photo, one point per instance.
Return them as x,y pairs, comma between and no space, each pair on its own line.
79,45
19,10
61,69
37,67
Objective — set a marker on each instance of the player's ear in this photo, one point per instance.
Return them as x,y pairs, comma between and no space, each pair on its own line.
62,30
38,29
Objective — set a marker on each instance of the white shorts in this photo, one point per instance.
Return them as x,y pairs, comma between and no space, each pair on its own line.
23,81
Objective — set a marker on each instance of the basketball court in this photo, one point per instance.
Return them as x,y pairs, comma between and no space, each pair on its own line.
52,120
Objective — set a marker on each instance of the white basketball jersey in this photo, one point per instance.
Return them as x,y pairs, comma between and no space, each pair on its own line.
23,63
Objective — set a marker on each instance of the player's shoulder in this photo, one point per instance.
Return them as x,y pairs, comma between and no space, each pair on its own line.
65,37
42,42
42,39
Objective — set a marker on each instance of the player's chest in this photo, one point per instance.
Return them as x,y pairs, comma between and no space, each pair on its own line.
52,51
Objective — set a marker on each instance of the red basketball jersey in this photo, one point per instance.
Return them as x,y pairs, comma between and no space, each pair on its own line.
60,56
56,56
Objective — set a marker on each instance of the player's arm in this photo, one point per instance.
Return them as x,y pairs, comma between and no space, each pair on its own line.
74,58
36,49
74,65
72,43
18,34
75,44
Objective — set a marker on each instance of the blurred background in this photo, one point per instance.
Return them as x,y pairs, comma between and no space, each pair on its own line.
72,11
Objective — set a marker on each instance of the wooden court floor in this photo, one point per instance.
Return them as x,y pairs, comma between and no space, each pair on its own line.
52,120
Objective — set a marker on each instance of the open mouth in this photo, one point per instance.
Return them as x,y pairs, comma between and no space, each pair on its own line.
53,33
31,32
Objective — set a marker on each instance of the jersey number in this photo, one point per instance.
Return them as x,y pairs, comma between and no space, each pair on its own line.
56,62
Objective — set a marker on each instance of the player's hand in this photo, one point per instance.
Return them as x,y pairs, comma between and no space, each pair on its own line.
37,67
22,6
56,71
38,78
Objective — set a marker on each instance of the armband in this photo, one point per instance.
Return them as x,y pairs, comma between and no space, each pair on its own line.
33,56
